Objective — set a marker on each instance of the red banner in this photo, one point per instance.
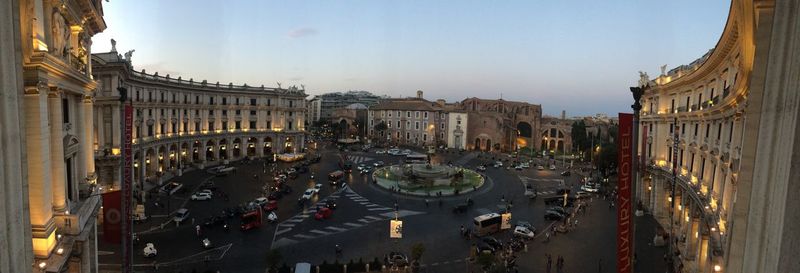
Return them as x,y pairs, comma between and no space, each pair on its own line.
112,217
127,187
624,207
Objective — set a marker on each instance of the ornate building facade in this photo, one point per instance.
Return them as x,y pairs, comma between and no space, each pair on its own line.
556,135
710,119
48,172
409,121
181,124
501,125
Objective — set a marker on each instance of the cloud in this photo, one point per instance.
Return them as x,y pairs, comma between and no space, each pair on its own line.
302,32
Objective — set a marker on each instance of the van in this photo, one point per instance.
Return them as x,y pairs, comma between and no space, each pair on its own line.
181,215
302,268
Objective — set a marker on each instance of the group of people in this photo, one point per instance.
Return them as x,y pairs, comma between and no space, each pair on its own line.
559,263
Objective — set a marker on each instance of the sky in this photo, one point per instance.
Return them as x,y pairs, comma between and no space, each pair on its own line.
580,56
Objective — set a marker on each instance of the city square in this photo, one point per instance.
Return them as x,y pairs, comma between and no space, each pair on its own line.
399,137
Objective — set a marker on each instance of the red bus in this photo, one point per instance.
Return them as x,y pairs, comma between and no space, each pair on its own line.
251,219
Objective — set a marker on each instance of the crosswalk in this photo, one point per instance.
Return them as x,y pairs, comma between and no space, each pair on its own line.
357,159
376,213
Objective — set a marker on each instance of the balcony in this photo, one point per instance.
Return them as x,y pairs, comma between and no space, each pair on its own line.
681,109
726,91
78,214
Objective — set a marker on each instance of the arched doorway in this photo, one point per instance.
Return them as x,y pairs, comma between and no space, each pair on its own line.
251,146
524,135
267,145
210,155
173,156
162,152
223,147
196,151
184,153
488,145
237,147
150,163
289,145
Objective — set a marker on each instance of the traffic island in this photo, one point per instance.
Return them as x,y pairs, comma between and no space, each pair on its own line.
427,179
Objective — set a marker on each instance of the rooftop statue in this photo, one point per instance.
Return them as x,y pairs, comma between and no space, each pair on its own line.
644,80
113,45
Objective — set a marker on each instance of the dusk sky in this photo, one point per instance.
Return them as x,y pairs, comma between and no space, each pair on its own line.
578,56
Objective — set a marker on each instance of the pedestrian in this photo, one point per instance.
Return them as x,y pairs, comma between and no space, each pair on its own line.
600,266
426,202
197,228
549,263
463,231
503,198
192,220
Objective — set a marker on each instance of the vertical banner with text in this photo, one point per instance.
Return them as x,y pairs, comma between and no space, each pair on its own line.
127,187
624,213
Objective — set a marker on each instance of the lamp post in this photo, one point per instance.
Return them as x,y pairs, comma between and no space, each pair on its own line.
637,107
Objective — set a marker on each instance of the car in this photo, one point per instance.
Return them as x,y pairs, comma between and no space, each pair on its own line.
525,165
565,173
590,188
330,203
180,215
207,243
530,191
524,232
307,194
582,195
360,166
406,152
149,250
213,221
380,152
317,187
492,241
553,215
393,151
201,196
481,168
396,259
540,167
525,224
172,188
366,170
271,205
558,209
498,163
323,213
485,248
261,201
552,167
379,163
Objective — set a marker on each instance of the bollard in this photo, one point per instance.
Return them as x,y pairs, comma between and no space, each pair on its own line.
317,269
525,248
345,268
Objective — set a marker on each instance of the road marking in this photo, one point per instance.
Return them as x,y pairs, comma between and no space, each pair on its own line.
373,217
374,209
293,220
434,264
338,229
317,231
286,225
282,242
364,220
352,224
372,205
401,213
303,236
282,231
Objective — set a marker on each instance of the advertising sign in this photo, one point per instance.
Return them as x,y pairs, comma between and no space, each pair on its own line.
506,223
624,207
396,229
112,217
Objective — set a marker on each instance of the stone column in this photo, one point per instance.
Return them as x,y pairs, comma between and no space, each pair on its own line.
692,237
229,149
87,141
703,263
58,175
655,196
259,147
142,169
37,136
98,121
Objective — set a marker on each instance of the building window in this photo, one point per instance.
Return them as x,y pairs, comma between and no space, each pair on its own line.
65,110
291,103
683,128
669,155
730,133
196,126
269,113
196,112
269,124
424,137
290,125
224,125
671,128
696,125
224,112
161,111
408,114
672,109
398,124
224,101
161,128
416,125
196,99
442,125
269,102
211,100
416,114
719,131
389,124
252,112
237,101
371,122
408,135
211,126
424,114
253,102
238,125
390,114
252,125
210,112
708,129
149,130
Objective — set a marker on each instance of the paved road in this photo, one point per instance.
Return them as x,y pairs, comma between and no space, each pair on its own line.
360,223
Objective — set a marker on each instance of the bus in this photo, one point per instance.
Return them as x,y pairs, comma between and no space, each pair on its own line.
416,159
251,219
487,224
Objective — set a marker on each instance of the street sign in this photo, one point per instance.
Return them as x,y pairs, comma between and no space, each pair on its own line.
396,229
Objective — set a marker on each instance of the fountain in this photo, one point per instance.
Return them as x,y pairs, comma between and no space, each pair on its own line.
427,179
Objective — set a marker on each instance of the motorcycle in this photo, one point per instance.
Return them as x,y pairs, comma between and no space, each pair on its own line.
272,217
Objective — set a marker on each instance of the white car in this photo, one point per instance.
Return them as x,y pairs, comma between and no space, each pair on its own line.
181,215
307,195
380,152
150,250
481,168
590,188
540,167
524,232
498,164
201,196
261,201
317,187
552,167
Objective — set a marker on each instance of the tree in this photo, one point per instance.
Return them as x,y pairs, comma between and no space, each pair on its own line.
579,139
274,257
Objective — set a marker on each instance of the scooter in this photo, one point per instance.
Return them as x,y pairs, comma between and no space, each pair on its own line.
272,217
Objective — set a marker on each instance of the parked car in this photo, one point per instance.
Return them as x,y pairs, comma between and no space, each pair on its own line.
213,221
525,224
492,241
540,167
553,215
582,195
524,232
378,163
558,209
317,187
323,213
481,168
552,167
171,188
261,201
485,248
181,215
380,152
361,166
518,167
396,259
271,205
201,196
